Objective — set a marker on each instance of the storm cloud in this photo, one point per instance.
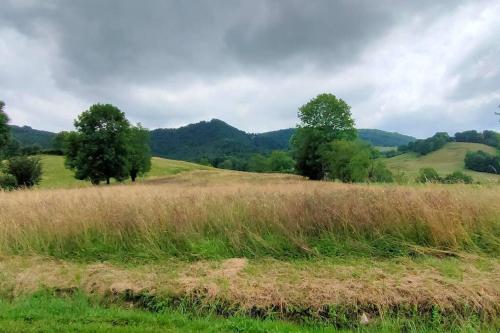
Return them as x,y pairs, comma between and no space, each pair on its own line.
414,67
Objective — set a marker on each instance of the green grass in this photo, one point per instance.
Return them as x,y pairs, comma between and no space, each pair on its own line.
446,160
44,312
55,175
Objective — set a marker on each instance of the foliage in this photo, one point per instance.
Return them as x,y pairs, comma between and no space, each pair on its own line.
26,170
7,182
428,145
280,161
353,162
309,162
490,138
322,120
97,151
12,148
428,175
4,128
483,162
379,173
138,151
458,177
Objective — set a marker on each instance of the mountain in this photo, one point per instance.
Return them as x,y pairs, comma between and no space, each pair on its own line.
215,139
385,139
28,136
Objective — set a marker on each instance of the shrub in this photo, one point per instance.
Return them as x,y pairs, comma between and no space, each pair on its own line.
428,175
458,177
26,170
482,162
380,173
7,182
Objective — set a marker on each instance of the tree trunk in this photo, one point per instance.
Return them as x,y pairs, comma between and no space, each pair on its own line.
107,181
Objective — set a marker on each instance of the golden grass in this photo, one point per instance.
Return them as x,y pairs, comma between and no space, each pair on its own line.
279,219
269,284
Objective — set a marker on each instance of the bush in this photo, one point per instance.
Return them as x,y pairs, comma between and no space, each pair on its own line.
428,175
380,173
26,170
482,162
458,177
7,182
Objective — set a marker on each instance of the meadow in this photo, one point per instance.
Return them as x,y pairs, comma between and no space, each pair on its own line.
446,160
269,252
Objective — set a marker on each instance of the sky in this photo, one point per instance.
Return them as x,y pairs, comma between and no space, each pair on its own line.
414,67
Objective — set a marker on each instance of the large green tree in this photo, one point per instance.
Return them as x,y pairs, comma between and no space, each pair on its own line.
4,127
139,152
97,151
324,119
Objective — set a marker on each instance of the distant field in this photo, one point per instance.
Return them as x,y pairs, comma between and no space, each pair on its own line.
446,160
55,175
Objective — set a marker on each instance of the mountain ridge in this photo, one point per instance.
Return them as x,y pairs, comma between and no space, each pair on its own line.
212,139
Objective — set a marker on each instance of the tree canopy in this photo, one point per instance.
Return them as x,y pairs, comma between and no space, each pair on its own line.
322,120
97,151
139,153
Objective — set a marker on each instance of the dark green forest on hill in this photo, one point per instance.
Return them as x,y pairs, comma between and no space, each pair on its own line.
212,140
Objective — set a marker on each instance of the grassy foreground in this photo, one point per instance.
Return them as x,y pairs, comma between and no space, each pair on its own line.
44,312
287,220
220,251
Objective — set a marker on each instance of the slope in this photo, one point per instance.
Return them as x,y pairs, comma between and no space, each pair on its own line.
55,175
445,160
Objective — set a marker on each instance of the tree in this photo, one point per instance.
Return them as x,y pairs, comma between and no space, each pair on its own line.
347,161
97,151
139,153
322,120
280,161
4,127
26,170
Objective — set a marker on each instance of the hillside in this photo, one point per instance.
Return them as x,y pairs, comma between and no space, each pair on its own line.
55,175
445,160
28,136
215,138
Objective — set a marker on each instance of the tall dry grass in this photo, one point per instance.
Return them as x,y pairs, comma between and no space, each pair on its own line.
293,219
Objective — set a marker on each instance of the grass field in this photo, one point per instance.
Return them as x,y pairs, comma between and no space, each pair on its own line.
55,175
191,248
446,160
254,247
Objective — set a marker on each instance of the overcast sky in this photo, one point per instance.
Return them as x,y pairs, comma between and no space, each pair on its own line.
415,67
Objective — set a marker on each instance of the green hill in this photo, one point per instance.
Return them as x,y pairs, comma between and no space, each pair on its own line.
216,139
445,160
28,136
55,175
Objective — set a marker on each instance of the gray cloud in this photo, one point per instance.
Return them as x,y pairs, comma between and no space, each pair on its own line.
167,63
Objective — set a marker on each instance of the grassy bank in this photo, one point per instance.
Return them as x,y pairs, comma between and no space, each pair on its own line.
287,220
240,295
44,312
